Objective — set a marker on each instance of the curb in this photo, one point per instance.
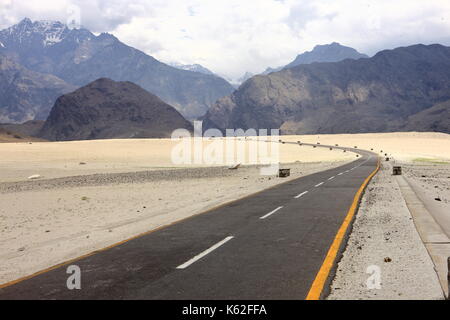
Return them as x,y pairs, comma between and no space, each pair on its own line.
433,237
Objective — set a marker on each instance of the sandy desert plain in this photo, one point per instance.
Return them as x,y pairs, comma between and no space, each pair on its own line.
92,194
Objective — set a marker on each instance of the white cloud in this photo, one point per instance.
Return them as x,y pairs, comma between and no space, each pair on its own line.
234,36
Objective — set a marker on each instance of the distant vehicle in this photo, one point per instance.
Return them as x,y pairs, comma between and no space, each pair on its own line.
336,145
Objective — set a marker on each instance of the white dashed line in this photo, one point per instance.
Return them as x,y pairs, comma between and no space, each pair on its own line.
331,178
340,174
319,184
204,253
270,213
301,194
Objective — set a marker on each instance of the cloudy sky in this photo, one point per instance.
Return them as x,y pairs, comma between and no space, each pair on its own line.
231,37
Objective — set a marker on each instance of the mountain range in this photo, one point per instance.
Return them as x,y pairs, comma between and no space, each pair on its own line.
332,89
78,57
391,91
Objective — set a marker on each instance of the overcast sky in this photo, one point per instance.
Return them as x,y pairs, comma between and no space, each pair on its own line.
231,37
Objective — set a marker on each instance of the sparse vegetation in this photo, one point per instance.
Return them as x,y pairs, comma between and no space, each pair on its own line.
432,160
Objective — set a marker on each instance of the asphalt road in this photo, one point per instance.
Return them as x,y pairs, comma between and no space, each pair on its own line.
267,246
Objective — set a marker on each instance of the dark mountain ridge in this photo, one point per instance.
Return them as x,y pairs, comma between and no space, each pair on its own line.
375,94
106,109
25,94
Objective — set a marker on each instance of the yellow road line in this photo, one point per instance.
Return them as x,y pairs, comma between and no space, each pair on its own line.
319,282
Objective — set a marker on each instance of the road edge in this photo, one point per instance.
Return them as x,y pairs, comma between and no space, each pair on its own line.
323,277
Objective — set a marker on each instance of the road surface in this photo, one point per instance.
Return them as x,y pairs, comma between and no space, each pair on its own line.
270,245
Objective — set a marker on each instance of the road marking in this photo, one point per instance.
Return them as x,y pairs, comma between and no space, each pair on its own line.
301,194
319,282
319,184
331,178
340,174
204,253
271,213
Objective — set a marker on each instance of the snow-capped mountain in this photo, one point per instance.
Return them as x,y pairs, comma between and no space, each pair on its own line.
38,34
38,45
192,67
79,57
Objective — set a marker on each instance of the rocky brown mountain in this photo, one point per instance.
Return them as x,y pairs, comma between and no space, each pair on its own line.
377,94
436,118
25,94
106,109
29,128
16,137
79,57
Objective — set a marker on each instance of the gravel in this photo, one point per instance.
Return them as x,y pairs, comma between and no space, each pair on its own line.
115,178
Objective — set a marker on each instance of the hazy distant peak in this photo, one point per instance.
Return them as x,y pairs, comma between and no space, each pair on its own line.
330,45
332,52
